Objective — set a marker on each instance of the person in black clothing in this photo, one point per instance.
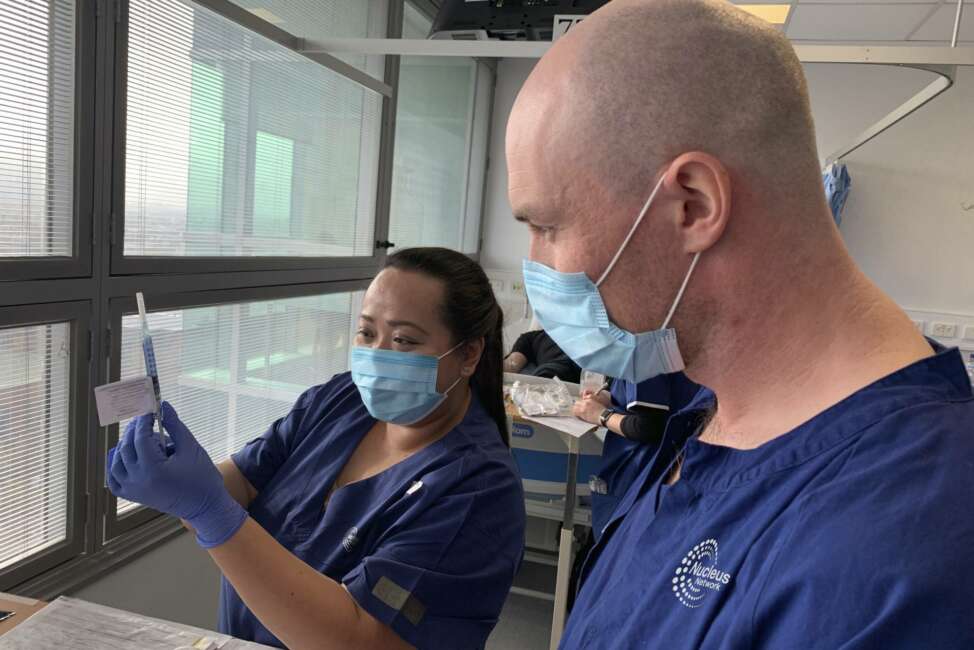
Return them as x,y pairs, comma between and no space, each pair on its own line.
536,354
645,426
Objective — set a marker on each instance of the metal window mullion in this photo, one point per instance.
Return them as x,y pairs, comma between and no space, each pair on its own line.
468,156
254,23
387,136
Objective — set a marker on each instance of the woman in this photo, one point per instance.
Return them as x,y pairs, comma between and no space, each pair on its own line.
385,510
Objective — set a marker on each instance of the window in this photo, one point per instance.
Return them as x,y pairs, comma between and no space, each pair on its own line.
316,19
217,161
232,369
36,128
440,147
230,135
35,363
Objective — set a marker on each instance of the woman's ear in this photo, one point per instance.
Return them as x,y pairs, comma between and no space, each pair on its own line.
472,351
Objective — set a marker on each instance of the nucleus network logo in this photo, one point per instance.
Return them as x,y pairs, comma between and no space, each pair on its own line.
697,575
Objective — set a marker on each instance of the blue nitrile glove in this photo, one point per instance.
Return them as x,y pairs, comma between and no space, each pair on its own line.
170,450
185,483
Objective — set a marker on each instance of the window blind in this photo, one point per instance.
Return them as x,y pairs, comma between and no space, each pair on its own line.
231,370
35,363
237,146
36,127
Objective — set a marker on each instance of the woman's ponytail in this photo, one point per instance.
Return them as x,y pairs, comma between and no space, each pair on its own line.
488,379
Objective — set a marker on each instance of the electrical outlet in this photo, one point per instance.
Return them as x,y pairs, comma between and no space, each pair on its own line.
920,325
969,333
944,330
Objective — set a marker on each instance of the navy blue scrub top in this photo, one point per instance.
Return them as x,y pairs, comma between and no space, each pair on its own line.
429,546
854,530
622,459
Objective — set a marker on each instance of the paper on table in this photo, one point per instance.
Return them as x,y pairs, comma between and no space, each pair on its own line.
125,399
570,425
79,625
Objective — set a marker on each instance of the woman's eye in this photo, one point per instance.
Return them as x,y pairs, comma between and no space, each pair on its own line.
402,341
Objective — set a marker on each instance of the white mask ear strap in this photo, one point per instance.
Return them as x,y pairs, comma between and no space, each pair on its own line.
683,287
453,385
451,350
632,231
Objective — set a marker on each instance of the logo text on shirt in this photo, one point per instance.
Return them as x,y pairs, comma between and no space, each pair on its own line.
697,574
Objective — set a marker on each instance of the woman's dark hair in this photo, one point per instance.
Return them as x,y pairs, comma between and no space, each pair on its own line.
470,311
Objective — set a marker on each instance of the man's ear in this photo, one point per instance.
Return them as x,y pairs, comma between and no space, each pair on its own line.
702,185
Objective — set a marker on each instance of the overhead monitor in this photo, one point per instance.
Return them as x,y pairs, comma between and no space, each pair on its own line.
506,20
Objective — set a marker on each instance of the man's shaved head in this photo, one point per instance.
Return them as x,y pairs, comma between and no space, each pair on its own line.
642,81
712,103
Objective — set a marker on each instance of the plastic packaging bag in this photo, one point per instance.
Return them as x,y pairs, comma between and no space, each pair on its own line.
535,400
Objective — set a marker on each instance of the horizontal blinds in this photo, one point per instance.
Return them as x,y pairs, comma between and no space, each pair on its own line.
34,409
231,370
237,146
36,127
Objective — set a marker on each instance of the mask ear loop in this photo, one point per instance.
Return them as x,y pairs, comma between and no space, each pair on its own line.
632,231
450,351
446,354
683,287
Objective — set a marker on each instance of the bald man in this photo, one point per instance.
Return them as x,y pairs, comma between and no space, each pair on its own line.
822,495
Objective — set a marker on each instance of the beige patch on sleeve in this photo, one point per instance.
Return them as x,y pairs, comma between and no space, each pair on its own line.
400,600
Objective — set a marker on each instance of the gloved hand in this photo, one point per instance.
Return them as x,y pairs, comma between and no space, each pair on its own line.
184,483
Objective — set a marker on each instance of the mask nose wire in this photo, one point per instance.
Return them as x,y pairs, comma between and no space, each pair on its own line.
632,231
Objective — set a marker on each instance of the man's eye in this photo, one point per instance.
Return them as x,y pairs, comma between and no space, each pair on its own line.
364,333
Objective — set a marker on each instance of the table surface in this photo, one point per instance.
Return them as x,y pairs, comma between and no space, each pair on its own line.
23,611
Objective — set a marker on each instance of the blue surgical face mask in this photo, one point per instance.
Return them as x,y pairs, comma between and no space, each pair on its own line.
570,309
398,387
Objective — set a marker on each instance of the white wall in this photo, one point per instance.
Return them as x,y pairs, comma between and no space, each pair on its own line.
904,221
505,240
176,581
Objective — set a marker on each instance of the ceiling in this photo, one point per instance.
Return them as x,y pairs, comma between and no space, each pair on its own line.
921,21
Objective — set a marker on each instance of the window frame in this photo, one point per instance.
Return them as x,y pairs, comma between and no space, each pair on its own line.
115,525
477,149
78,315
14,269
133,265
97,286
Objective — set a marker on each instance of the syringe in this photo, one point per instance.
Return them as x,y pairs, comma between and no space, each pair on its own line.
149,355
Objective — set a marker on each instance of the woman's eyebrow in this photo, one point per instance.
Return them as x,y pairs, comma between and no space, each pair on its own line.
407,323
396,323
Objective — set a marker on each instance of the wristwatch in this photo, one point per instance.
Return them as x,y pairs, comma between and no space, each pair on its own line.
604,417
